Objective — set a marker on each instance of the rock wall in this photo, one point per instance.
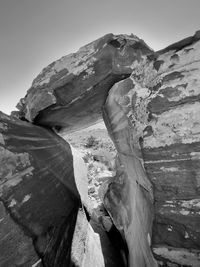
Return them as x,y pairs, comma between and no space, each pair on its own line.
42,184
129,197
159,106
39,199
171,149
152,114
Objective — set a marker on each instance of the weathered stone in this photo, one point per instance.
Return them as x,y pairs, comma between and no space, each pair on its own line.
175,257
159,104
153,118
39,177
38,190
91,246
16,248
70,91
129,198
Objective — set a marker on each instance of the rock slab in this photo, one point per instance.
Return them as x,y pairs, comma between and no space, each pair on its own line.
71,91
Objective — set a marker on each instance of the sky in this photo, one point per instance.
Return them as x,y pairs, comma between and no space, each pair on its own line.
34,33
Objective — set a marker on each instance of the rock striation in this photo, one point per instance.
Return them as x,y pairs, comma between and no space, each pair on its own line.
39,199
151,104
157,110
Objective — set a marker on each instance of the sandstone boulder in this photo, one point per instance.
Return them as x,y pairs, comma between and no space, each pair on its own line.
70,91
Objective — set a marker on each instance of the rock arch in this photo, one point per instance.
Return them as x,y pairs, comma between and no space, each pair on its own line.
150,104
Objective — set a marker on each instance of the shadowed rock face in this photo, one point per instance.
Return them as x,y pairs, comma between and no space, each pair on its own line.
70,91
40,220
38,190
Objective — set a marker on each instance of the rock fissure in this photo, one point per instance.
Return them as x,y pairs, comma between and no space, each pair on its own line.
150,105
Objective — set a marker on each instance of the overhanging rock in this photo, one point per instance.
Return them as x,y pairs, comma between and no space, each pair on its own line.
70,91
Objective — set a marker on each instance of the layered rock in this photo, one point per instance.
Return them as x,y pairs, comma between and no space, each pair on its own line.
129,197
42,184
70,91
16,247
171,149
158,106
39,199
153,119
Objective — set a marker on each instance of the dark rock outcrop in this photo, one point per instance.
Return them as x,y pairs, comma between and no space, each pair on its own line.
38,195
16,248
42,184
70,91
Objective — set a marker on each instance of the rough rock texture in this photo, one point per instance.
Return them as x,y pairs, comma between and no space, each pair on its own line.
91,246
42,180
129,197
153,119
38,195
70,91
161,104
171,150
16,248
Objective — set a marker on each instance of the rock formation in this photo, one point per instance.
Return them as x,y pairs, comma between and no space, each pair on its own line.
71,91
129,197
150,103
38,191
157,110
43,182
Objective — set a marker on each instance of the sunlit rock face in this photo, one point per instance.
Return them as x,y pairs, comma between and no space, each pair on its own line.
158,107
39,199
129,196
70,91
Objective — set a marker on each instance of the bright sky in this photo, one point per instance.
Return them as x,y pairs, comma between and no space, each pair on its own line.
33,33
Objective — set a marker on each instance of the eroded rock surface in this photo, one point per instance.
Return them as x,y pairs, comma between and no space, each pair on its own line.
153,119
70,91
129,196
160,106
38,195
42,184
16,248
